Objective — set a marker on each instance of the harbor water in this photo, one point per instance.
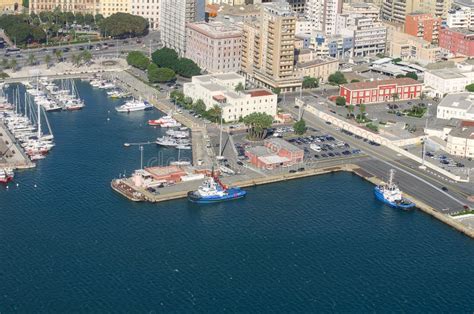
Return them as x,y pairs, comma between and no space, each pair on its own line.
68,243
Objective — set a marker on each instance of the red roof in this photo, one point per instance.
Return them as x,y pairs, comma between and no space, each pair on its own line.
403,81
467,123
259,93
219,98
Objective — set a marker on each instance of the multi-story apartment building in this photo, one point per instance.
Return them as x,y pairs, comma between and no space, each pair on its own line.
461,15
75,6
149,9
271,40
396,10
339,46
369,37
411,48
109,7
214,46
228,2
424,26
458,41
174,15
362,9
322,15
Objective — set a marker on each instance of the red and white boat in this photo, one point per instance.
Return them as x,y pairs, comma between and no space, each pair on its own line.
6,175
168,119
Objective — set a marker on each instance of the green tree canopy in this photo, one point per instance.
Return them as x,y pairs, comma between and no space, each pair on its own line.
122,25
165,58
337,78
18,30
138,60
300,127
79,18
412,75
239,87
470,88
187,68
355,81
88,19
159,75
340,101
214,114
199,106
98,18
258,123
399,76
276,90
310,82
86,56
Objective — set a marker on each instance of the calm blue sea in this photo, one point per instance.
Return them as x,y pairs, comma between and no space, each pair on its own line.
71,244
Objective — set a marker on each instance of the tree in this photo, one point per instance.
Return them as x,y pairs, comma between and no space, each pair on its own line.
276,90
422,95
239,87
310,82
397,60
5,63
362,109
159,75
300,127
350,110
47,60
258,123
187,68
399,76
177,95
86,56
165,58
395,97
31,59
138,60
412,75
88,19
79,18
337,78
340,101
123,25
188,102
98,18
214,114
13,64
470,88
75,59
355,81
59,54
70,17
199,106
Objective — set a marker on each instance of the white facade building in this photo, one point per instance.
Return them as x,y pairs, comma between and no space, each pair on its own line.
444,81
148,9
461,15
322,15
174,15
369,37
456,106
219,89
460,142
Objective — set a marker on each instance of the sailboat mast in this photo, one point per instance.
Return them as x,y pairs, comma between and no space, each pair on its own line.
39,121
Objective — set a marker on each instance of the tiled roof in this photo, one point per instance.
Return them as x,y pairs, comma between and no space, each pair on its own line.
374,84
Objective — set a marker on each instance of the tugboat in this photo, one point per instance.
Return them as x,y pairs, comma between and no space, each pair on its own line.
213,191
390,194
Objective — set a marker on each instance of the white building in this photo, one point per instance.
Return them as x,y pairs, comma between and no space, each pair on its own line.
322,15
148,9
450,80
369,37
219,89
461,15
174,15
460,142
456,106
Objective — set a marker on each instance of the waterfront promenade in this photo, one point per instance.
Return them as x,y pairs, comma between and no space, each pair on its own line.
11,155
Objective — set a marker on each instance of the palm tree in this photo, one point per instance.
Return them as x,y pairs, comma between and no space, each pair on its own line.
13,64
47,60
86,55
258,123
350,110
395,97
59,55
31,59
4,63
239,87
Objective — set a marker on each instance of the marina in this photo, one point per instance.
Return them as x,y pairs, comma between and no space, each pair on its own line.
103,233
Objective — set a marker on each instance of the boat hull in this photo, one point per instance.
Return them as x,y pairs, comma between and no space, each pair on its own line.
405,206
232,194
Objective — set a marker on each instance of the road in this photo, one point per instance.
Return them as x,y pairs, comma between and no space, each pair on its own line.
388,159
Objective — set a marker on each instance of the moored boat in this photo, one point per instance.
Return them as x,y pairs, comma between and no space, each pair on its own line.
391,195
213,191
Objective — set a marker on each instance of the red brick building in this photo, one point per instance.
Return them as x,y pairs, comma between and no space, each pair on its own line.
380,91
425,26
459,41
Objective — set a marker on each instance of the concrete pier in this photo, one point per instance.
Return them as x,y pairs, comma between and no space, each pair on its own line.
11,154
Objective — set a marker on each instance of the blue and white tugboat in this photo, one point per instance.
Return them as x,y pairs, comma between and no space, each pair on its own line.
390,194
213,191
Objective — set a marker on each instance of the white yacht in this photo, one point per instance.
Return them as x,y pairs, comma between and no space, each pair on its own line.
134,105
